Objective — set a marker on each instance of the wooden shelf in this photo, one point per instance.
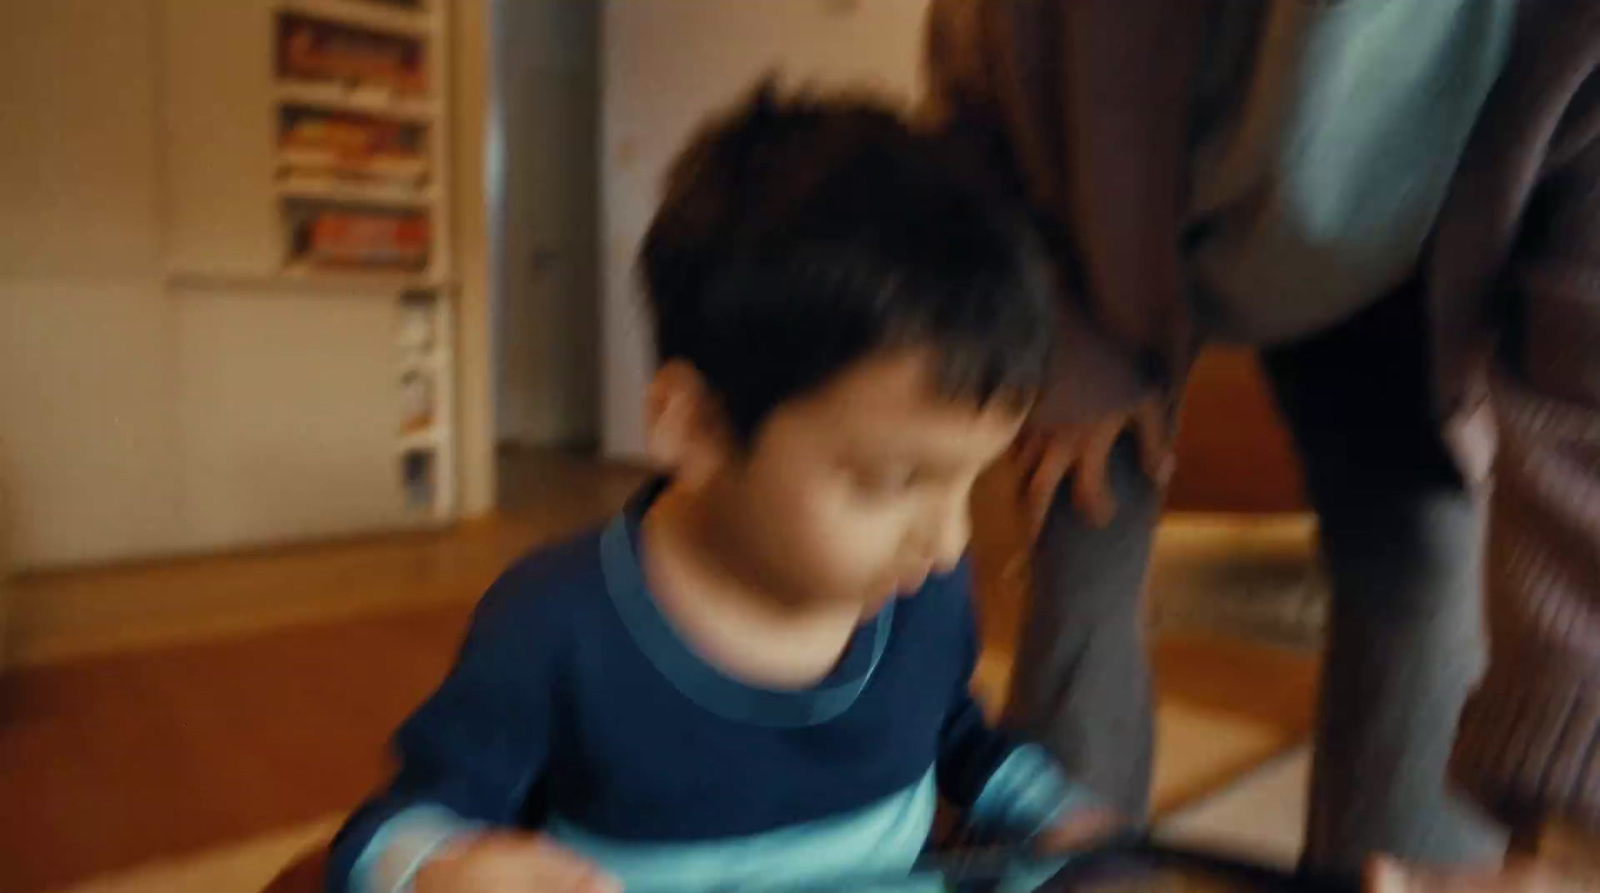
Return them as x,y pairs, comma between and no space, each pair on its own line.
430,363
424,441
391,280
354,192
302,277
338,97
393,172
395,184
370,16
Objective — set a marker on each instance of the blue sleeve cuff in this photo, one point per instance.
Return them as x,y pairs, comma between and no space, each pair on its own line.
402,845
1025,796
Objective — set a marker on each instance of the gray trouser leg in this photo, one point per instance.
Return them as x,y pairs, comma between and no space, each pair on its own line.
1402,539
1405,648
1082,680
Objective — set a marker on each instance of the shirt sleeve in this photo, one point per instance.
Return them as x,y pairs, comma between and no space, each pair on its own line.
468,756
1009,790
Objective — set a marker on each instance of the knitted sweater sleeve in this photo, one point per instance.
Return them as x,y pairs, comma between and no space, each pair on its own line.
1529,744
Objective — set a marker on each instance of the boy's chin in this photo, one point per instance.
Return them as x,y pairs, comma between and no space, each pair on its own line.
878,601
869,598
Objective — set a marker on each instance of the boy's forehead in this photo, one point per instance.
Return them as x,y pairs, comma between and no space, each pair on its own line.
900,379
894,397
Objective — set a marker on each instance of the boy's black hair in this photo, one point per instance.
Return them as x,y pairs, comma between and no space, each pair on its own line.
799,235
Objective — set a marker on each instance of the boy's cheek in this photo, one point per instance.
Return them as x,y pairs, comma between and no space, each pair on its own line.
850,550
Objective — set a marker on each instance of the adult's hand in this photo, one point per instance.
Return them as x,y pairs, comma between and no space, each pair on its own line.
1047,454
510,862
1080,831
1519,875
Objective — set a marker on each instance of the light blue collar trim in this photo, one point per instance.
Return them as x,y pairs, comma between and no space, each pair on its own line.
703,683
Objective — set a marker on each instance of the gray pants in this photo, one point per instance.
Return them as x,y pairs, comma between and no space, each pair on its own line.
1402,540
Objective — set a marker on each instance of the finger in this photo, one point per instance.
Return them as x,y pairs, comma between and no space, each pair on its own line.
1080,830
1155,453
1091,489
1024,459
599,882
1024,453
583,878
1384,875
557,868
1046,478
1028,440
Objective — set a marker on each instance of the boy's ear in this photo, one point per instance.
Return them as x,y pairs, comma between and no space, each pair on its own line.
685,429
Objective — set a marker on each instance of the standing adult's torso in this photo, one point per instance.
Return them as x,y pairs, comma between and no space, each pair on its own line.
1320,139
1326,134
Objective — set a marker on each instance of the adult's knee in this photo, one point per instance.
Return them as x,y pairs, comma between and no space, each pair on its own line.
1091,573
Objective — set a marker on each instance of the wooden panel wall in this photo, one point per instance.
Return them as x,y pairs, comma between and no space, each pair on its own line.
1234,453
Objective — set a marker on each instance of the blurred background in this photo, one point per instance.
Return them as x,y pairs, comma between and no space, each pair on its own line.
315,313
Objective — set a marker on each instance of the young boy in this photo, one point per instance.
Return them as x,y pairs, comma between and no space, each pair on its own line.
756,676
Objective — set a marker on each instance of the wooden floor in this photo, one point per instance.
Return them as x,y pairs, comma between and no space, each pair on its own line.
166,711
58,617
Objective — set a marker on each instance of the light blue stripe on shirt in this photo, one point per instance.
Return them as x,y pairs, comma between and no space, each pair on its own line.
1025,796
403,845
882,839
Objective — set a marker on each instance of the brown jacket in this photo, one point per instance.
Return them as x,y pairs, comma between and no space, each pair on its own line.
1089,102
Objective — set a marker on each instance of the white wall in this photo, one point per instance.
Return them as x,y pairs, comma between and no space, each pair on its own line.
142,416
666,63
87,341
469,93
545,189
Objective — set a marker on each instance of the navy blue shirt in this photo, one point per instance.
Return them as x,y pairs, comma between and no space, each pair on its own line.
574,706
